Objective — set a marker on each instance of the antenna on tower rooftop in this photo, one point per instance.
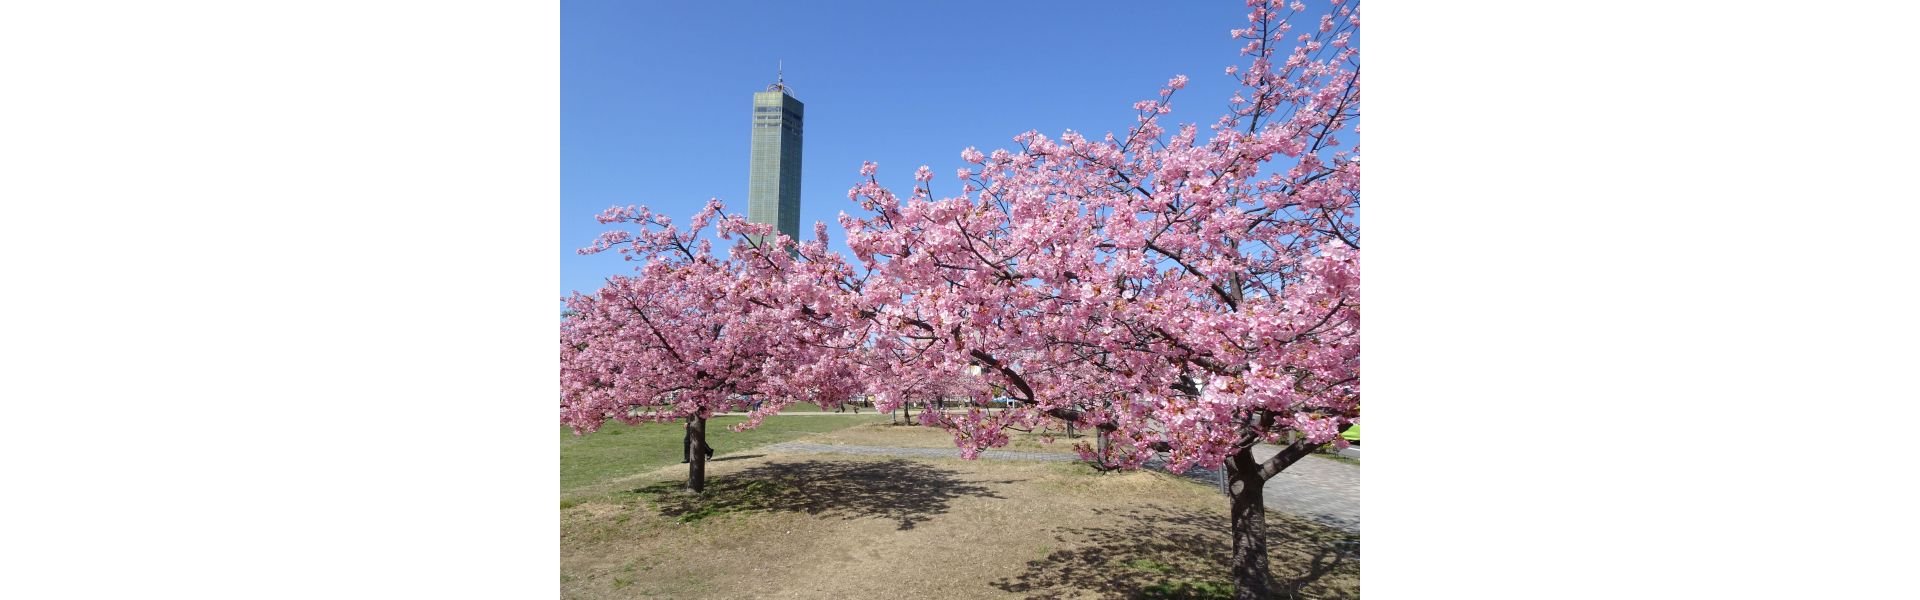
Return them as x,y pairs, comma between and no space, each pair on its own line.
779,77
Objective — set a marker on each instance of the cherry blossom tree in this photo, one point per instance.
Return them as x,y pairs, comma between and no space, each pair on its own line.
1187,294
693,334
926,389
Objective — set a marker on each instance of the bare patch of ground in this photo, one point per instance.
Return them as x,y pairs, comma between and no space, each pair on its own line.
837,526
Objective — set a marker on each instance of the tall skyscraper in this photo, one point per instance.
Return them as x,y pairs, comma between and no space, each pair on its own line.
773,182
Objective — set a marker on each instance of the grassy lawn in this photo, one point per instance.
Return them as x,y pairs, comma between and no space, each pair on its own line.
838,526
591,464
1338,458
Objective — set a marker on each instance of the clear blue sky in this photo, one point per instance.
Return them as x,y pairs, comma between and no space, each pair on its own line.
656,97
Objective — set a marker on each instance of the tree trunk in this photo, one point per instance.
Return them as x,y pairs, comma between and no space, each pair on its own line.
1100,446
907,408
1252,576
697,464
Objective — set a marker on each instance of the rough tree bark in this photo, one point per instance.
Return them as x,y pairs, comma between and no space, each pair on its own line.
697,464
1252,577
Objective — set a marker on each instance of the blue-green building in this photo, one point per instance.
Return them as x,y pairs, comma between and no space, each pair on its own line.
773,181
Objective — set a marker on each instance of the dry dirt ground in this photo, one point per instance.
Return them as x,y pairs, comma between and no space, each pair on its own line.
776,525
899,436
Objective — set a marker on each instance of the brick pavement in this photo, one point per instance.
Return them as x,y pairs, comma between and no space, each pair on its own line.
1319,488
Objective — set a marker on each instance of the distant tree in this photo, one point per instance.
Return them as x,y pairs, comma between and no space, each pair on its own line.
925,389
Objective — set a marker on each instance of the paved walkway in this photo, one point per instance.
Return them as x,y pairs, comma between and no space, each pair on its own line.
914,452
1322,489
799,414
863,411
1318,488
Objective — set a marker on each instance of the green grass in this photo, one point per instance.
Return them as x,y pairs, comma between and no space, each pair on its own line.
1187,590
619,450
1149,565
1330,455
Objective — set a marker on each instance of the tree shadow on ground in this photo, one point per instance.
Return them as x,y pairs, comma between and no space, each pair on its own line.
1154,552
898,490
735,457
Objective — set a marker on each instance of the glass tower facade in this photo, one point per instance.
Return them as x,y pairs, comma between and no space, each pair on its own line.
773,181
